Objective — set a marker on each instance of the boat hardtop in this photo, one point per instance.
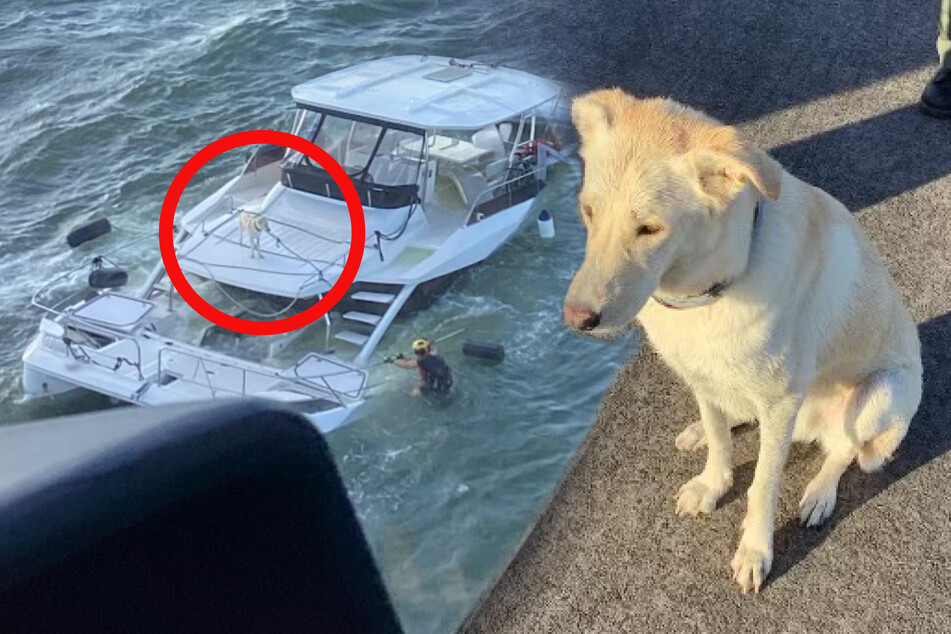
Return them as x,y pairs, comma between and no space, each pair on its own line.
428,93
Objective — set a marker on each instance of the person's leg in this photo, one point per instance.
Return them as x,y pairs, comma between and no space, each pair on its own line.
944,24
936,99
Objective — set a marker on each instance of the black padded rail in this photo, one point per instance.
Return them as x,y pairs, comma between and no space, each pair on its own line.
229,517
317,181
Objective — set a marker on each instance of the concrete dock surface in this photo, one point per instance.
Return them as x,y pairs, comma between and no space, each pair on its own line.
830,88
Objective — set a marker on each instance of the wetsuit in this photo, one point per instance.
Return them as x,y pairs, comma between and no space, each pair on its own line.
435,373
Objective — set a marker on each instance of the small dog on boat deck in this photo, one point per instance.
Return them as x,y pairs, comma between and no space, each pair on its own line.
759,290
253,224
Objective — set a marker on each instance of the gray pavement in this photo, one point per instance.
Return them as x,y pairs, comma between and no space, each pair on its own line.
830,87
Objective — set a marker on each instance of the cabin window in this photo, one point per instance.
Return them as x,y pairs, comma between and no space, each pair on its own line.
383,162
306,123
351,143
397,160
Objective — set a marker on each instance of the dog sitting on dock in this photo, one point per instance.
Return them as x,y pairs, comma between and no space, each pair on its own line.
253,224
758,289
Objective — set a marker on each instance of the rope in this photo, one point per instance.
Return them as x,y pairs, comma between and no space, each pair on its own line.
248,309
85,357
395,235
241,305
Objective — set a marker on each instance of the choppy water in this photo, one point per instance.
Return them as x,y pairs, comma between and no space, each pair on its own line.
102,102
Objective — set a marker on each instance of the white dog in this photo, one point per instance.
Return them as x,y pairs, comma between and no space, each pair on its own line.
758,289
253,224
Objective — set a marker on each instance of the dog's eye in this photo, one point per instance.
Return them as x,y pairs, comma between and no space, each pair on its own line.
587,211
648,230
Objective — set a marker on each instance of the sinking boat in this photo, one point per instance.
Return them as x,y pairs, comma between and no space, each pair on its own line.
447,158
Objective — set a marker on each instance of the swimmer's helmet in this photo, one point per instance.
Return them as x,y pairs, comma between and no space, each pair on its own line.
421,346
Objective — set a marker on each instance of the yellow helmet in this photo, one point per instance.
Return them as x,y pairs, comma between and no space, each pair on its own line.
420,346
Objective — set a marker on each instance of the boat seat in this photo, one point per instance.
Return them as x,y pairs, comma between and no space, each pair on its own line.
488,138
507,131
469,183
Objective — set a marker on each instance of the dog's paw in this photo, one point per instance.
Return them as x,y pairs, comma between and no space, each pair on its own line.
751,566
698,497
691,438
818,501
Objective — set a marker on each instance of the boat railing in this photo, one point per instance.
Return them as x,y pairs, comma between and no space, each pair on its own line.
344,370
232,210
319,266
317,386
491,194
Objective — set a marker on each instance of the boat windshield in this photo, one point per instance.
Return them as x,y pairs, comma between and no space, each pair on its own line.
381,160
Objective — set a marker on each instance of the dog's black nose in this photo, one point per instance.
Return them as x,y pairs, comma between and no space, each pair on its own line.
581,317
592,322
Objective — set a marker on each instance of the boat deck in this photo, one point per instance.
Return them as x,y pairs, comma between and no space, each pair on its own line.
294,260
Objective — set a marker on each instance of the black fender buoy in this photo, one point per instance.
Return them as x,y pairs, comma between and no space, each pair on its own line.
483,350
108,278
89,231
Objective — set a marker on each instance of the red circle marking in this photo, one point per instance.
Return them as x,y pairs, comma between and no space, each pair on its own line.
246,326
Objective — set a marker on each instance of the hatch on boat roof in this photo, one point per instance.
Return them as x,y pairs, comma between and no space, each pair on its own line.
428,92
448,74
115,310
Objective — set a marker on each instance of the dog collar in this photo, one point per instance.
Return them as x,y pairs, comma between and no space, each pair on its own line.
712,294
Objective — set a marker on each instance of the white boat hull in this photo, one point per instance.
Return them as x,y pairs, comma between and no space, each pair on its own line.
37,383
49,372
219,254
465,247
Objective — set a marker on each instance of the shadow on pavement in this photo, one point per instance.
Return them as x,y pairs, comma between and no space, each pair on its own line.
870,160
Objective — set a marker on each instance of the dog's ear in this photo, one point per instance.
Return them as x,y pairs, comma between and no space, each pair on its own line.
722,173
595,112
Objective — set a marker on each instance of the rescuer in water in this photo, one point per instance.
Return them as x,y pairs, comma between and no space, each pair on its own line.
434,372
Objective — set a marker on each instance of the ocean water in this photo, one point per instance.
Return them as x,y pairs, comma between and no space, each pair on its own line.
102,102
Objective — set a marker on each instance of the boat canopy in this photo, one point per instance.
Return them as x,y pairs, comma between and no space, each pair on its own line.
428,92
